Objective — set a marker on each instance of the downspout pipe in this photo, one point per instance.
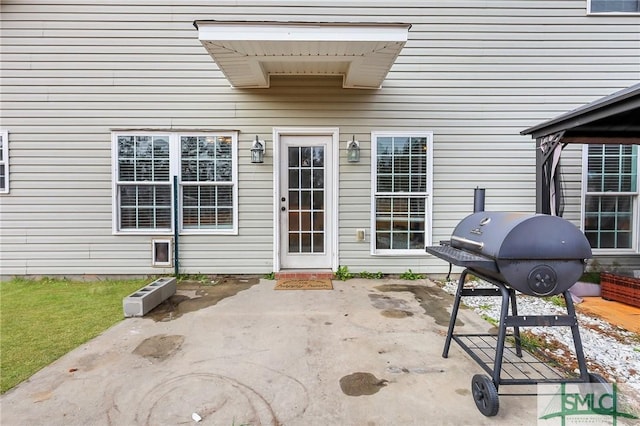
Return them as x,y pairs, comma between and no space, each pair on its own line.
176,257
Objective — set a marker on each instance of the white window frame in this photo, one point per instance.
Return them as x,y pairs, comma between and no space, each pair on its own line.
635,232
4,134
589,11
175,170
428,194
234,184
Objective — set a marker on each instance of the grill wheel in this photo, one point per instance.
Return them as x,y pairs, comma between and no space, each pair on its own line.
485,395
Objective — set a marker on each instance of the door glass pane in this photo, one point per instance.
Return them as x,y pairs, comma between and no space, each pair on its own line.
318,178
294,243
294,154
305,181
305,223
294,176
318,200
318,221
305,156
305,200
318,156
306,171
294,221
306,242
293,198
318,243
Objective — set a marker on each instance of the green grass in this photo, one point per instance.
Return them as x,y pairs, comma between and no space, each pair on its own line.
410,275
343,274
557,300
371,275
42,320
490,320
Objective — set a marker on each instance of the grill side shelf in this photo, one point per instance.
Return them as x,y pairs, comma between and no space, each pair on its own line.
462,258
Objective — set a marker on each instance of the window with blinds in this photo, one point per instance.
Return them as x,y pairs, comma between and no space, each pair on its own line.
144,182
611,195
614,6
207,182
205,166
401,172
4,162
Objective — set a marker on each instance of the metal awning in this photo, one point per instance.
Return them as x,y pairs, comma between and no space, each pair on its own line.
248,53
612,119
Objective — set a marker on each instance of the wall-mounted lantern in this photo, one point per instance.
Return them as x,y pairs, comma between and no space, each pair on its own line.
257,151
353,150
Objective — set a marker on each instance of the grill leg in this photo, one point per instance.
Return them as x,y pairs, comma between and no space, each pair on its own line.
577,342
454,313
502,334
516,329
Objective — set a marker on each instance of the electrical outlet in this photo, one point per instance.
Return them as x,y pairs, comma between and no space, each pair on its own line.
360,234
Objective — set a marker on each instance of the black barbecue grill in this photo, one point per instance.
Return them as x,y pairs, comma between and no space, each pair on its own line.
538,255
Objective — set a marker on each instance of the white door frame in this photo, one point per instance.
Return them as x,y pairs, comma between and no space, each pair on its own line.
334,132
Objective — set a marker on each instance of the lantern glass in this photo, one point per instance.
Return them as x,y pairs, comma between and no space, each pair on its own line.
353,151
257,151
257,156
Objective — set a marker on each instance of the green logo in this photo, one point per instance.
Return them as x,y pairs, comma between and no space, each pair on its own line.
579,403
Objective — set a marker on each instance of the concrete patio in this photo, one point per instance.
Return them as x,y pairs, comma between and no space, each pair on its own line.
266,357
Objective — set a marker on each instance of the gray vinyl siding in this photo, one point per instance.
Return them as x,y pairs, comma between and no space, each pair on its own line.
475,73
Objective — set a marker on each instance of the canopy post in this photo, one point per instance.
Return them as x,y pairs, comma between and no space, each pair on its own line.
542,180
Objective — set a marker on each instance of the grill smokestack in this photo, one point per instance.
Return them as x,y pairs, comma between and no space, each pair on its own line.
478,200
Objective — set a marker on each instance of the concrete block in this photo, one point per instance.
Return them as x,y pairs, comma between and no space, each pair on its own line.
148,297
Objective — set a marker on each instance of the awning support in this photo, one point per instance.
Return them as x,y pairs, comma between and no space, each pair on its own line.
548,191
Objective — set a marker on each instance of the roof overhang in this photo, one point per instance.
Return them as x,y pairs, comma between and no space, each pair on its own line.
248,53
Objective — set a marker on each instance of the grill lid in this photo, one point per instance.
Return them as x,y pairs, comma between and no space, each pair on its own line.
517,236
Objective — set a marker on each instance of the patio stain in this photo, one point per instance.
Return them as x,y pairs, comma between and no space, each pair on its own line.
396,313
159,347
193,295
358,384
433,300
390,307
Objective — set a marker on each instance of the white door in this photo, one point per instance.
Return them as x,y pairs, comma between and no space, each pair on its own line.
306,200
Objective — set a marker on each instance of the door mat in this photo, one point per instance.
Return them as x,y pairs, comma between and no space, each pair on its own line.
303,284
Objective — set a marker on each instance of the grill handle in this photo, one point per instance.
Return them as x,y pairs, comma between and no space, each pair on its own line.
476,244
